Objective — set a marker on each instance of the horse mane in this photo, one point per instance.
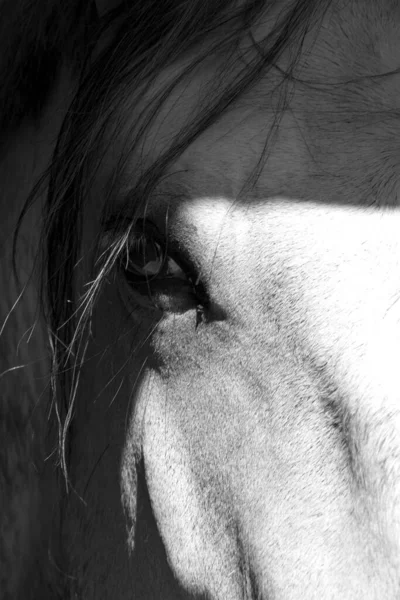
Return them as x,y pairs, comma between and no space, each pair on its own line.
140,39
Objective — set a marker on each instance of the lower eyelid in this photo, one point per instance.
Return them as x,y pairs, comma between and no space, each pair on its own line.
168,294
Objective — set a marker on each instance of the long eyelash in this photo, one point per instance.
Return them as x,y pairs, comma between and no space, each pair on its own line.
134,242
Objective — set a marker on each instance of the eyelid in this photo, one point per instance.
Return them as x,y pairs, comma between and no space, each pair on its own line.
191,293
119,223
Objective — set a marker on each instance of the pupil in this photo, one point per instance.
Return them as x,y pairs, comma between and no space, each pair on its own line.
147,258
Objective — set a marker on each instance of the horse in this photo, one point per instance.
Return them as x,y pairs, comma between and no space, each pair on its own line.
200,316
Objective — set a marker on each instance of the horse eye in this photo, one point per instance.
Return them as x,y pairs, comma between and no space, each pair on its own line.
147,259
144,258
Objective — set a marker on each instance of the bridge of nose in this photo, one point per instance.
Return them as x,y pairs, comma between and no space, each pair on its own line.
322,281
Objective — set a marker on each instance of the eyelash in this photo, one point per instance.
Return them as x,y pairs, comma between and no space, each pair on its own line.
171,263
154,258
